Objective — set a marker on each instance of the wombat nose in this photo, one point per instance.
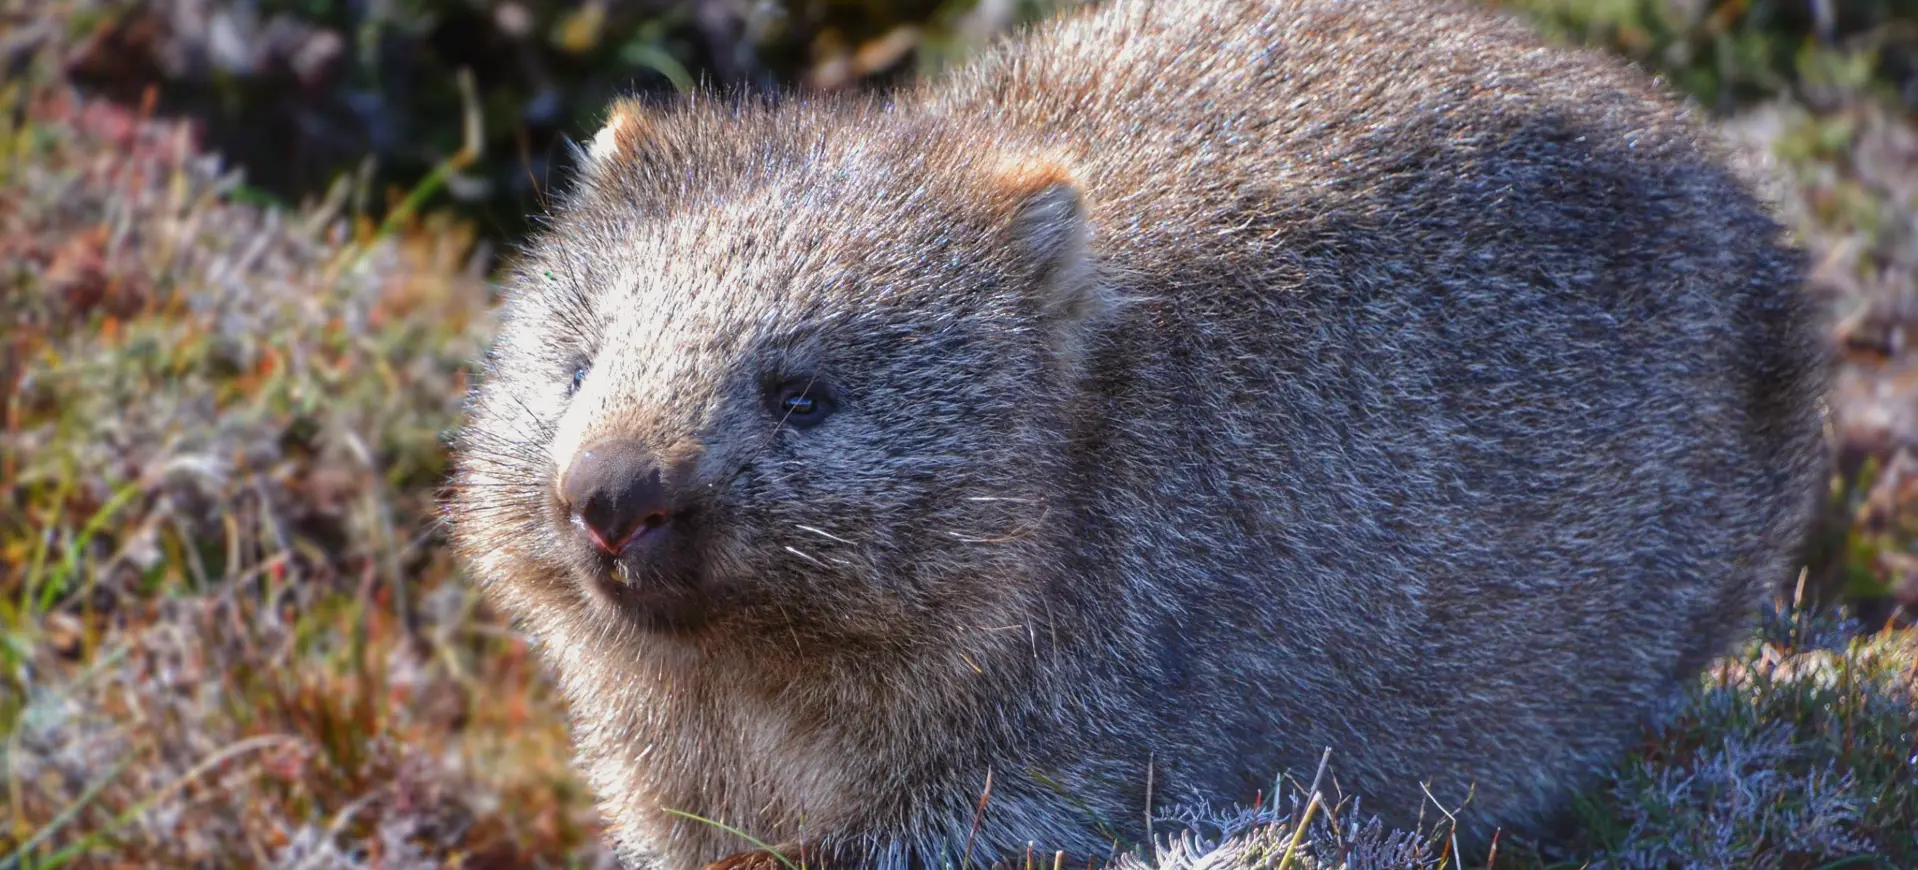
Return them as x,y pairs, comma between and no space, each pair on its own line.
615,489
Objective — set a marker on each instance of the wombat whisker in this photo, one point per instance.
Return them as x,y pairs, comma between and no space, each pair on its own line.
972,540
804,555
1018,534
504,515
495,442
484,464
821,532
527,416
503,451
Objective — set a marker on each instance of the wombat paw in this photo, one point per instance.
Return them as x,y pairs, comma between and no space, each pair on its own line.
761,860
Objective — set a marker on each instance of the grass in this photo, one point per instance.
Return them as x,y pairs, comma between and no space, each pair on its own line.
230,634
1800,751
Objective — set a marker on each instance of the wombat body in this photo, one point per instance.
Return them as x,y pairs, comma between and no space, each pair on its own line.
1161,399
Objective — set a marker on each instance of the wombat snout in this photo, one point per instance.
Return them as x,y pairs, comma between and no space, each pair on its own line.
615,490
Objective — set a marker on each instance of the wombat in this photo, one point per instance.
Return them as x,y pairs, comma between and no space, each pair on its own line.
1121,420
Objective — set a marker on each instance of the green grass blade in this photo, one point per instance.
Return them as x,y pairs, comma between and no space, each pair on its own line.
737,833
20,855
71,566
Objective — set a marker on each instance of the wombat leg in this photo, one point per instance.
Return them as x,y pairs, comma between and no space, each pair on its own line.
772,860
764,859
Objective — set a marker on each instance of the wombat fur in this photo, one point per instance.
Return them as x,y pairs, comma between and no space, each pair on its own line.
1167,395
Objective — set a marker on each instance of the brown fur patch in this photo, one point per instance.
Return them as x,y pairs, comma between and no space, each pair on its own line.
628,126
1017,177
1044,203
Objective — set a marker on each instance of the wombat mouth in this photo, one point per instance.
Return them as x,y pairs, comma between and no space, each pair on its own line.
652,576
656,580
658,604
642,535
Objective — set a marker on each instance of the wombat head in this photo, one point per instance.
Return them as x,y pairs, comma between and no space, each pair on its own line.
758,377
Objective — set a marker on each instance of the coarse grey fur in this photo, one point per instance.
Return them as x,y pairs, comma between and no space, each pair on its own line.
1219,382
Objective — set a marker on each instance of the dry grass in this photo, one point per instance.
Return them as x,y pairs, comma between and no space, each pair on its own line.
230,635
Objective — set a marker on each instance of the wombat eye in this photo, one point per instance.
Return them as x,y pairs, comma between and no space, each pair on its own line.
579,377
802,402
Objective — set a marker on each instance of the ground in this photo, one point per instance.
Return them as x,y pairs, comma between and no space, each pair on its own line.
230,632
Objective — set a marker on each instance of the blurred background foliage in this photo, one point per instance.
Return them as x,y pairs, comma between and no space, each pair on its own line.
308,93
1729,53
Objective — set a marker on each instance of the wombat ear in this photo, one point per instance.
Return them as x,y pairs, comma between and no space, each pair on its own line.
1049,228
631,132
